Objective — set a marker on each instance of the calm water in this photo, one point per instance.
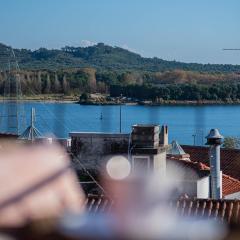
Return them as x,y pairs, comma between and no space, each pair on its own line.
183,121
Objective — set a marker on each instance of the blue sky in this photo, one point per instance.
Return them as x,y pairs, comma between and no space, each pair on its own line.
184,30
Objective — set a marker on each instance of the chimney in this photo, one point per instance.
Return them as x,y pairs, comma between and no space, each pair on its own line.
214,140
145,135
163,136
148,151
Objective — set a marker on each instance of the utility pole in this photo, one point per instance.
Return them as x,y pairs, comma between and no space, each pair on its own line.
120,120
32,123
120,115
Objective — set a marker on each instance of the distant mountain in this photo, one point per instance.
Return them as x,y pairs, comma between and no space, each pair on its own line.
103,58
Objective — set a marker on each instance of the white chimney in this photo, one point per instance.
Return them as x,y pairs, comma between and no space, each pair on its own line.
214,140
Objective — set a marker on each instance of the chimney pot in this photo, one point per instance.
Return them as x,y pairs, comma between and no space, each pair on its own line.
214,140
214,137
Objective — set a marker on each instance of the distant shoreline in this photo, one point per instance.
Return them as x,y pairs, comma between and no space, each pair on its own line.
166,103
72,99
47,98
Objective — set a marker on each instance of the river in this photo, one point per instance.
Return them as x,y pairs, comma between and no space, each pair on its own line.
185,122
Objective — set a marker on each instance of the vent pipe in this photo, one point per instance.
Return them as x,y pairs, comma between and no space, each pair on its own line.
214,140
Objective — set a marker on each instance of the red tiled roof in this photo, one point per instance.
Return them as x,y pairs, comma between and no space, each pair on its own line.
223,210
229,185
98,204
230,159
199,169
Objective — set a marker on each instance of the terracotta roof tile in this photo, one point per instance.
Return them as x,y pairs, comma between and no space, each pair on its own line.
229,184
98,204
230,158
199,169
221,210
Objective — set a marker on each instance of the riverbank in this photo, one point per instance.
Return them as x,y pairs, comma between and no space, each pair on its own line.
58,98
162,103
202,102
100,99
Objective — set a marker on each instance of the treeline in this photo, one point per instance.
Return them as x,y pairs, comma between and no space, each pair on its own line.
181,92
167,77
71,82
169,85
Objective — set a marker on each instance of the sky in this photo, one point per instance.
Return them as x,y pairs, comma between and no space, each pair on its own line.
182,30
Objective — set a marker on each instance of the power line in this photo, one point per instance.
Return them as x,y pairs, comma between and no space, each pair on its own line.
78,160
89,174
56,119
13,94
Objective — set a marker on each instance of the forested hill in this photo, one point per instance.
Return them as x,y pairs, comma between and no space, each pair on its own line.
119,72
105,58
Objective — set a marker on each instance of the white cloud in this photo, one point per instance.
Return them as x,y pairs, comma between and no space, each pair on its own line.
87,43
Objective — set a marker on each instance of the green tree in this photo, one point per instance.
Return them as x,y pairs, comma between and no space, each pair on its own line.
47,85
231,142
84,97
56,87
65,85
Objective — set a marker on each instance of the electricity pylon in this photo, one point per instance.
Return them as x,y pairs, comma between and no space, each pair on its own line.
13,114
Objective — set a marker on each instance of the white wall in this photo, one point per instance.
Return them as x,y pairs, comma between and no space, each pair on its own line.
203,187
94,149
188,180
159,164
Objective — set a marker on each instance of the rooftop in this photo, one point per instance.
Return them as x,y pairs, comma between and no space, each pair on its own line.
98,134
230,185
146,125
230,159
223,210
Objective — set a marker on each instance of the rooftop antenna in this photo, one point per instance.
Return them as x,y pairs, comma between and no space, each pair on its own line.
31,133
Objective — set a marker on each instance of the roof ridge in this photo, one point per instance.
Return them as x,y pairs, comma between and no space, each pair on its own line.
196,163
205,167
224,175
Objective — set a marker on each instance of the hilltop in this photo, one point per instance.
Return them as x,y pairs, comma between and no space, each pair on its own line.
105,58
